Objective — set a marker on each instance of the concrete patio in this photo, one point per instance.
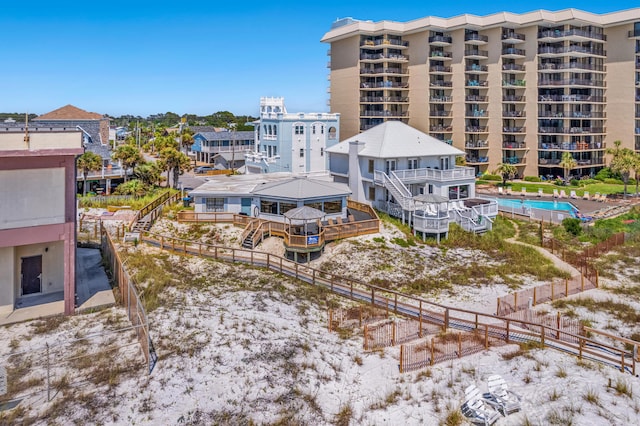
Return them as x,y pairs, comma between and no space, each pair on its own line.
92,291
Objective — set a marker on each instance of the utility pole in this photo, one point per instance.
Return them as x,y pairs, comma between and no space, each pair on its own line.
233,147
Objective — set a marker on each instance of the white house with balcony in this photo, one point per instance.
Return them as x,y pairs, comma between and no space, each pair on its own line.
413,176
291,142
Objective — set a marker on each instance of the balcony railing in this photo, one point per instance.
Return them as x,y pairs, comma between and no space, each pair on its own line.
476,144
571,130
513,129
439,54
439,68
634,33
477,129
571,65
571,32
477,83
572,146
513,51
384,42
476,98
379,84
440,99
392,56
514,83
476,160
514,145
440,39
571,49
580,163
513,98
513,160
440,83
572,114
571,82
513,114
383,71
476,52
447,129
374,99
416,175
476,37
433,113
513,36
477,113
512,67
369,113
475,67
570,98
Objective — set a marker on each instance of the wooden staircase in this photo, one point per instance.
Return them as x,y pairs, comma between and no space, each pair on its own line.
248,241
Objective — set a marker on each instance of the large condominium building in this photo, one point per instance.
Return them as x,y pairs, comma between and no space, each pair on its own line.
506,88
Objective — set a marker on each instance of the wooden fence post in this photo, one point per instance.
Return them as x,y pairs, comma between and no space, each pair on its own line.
393,333
515,301
401,358
365,336
596,278
580,343
542,336
395,303
360,316
498,308
486,336
446,319
558,325
534,296
420,320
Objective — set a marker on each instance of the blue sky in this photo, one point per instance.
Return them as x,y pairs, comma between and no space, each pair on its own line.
146,57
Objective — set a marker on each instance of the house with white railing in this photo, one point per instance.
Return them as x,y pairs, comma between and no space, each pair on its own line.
413,176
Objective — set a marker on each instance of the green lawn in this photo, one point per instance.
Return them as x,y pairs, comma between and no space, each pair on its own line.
547,188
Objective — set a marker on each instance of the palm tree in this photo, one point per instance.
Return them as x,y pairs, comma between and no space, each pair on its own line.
186,139
636,169
174,161
129,155
567,163
623,162
507,171
149,173
88,162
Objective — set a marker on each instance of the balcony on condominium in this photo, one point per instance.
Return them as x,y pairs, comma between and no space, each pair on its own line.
512,52
475,38
512,37
513,129
513,67
570,130
476,69
440,40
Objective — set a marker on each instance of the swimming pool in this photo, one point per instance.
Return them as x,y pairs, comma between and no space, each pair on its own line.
536,204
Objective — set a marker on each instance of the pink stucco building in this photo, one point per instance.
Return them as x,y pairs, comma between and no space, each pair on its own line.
37,215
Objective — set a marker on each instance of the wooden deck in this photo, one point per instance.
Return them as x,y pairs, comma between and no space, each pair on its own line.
257,229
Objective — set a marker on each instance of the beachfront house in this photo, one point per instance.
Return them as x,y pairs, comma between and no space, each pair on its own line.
411,175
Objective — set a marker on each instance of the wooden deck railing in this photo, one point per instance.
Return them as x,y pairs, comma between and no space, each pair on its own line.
166,197
422,310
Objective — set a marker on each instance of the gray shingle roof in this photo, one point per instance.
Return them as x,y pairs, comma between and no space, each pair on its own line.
226,136
301,187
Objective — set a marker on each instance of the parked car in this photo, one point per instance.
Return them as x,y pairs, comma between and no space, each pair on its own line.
203,169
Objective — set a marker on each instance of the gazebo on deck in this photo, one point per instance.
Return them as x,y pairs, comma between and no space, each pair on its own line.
431,215
303,232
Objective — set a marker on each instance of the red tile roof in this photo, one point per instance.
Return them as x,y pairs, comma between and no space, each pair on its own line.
69,112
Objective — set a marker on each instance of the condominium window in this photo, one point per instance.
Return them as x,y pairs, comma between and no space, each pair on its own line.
313,129
372,193
299,129
214,204
321,152
413,163
371,164
333,206
301,152
269,207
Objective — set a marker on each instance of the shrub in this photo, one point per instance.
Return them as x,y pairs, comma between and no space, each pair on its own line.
572,226
558,182
575,182
604,173
532,179
488,176
613,181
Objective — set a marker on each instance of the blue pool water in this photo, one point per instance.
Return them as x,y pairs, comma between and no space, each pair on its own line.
537,204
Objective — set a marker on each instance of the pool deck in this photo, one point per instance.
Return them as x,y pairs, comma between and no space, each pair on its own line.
586,207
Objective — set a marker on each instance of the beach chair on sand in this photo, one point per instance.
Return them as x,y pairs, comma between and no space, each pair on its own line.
573,195
539,192
603,198
476,409
555,193
563,194
596,197
585,196
523,191
501,397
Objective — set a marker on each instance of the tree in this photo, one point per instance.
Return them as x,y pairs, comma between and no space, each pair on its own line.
186,139
149,173
88,162
507,171
567,163
636,169
133,187
623,162
129,155
174,161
